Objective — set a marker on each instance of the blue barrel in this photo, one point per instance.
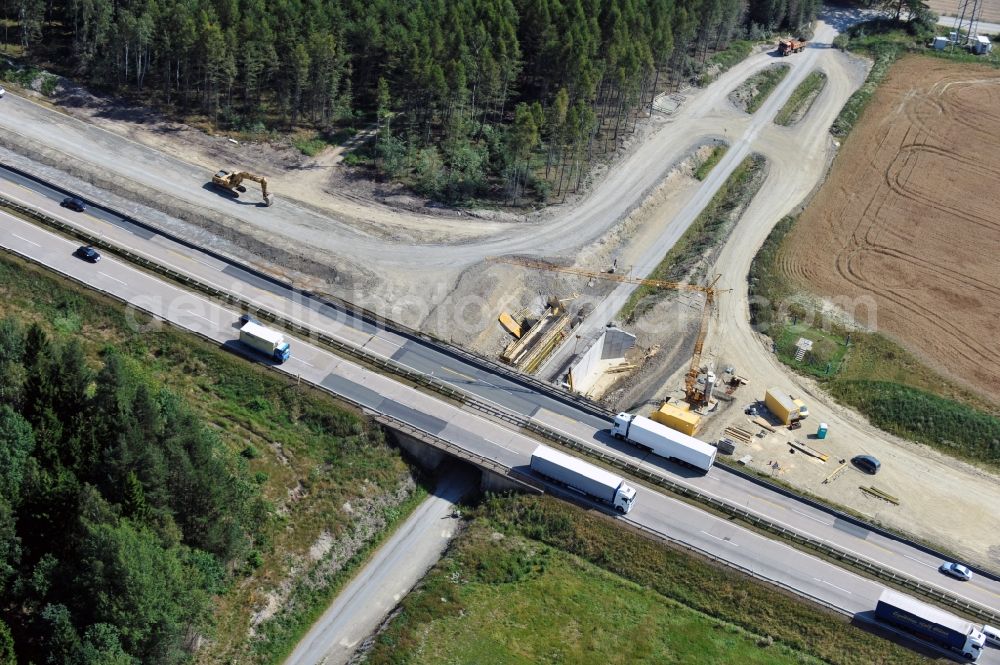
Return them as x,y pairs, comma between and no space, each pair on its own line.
821,432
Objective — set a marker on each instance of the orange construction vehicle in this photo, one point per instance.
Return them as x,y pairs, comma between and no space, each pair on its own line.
786,46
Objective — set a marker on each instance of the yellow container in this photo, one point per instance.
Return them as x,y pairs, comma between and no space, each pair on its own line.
676,418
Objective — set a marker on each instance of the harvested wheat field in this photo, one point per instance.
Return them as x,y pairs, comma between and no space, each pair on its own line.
910,217
990,9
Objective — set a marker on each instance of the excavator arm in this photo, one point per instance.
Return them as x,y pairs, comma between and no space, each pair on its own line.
233,182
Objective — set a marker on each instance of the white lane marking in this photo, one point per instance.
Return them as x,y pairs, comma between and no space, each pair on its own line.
30,242
114,279
922,563
725,540
204,318
500,445
814,519
302,361
832,584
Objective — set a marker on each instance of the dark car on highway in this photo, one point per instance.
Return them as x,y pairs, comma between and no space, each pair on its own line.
88,254
867,463
73,203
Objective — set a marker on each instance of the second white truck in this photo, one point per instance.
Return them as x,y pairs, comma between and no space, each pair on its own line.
664,441
269,342
583,477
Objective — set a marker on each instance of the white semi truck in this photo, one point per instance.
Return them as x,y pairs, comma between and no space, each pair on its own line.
269,342
583,477
664,441
931,624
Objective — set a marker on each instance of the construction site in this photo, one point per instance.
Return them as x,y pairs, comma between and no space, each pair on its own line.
542,291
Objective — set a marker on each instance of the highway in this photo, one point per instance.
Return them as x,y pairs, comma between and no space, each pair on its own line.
718,537
499,390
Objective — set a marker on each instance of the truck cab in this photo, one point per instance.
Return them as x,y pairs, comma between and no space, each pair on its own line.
803,409
624,499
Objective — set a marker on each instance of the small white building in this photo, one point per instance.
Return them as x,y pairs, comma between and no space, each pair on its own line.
940,43
982,45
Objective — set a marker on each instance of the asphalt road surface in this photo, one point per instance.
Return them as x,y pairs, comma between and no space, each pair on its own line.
761,556
390,574
462,426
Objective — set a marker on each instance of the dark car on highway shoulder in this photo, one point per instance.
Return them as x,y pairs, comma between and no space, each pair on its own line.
73,203
88,254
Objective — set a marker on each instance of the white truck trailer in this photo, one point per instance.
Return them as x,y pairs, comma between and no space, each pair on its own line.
931,624
269,342
664,441
583,477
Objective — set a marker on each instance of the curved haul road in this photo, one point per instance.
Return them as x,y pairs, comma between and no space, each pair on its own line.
562,229
794,149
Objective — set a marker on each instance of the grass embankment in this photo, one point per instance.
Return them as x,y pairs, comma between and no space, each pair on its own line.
763,84
719,62
308,453
872,374
535,580
706,232
713,158
801,100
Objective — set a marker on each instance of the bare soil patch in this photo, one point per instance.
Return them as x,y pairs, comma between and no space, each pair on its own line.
907,227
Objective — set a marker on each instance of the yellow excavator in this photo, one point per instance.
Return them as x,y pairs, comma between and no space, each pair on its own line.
234,183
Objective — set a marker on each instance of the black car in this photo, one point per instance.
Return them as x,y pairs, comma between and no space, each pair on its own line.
867,463
88,254
246,318
73,203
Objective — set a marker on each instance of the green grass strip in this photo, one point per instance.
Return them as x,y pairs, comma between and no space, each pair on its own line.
706,166
802,98
702,234
529,565
765,82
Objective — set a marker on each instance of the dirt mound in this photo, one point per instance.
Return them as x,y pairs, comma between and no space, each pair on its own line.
906,231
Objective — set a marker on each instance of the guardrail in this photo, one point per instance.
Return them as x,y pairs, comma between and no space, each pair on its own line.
847,517
821,547
360,313
383,419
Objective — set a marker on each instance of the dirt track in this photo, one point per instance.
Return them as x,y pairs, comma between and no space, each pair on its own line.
943,500
909,219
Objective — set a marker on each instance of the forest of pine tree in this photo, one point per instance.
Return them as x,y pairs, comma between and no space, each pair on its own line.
121,514
469,96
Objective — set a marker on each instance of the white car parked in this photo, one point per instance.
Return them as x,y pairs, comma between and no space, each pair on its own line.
2,91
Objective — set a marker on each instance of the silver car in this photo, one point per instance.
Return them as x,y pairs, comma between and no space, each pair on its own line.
956,570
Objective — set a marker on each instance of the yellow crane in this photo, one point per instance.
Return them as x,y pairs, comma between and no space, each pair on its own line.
233,181
691,390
